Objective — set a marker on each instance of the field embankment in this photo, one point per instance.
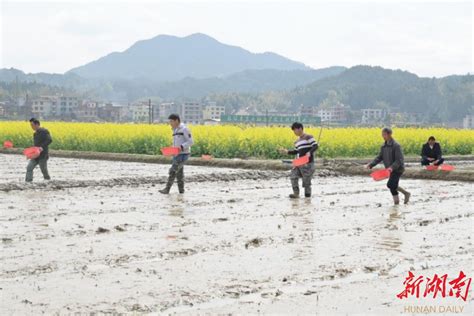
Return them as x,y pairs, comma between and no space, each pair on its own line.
354,166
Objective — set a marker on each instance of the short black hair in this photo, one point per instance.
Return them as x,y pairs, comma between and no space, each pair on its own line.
387,130
174,117
296,125
431,138
35,121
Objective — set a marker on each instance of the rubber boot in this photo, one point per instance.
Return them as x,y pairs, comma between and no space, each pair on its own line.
307,192
296,193
396,200
169,184
166,190
405,193
181,188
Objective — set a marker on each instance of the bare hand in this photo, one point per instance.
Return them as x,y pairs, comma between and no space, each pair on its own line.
390,169
367,166
283,151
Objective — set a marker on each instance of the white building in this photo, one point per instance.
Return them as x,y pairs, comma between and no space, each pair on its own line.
87,111
373,115
191,112
213,112
140,112
165,110
54,106
468,121
336,113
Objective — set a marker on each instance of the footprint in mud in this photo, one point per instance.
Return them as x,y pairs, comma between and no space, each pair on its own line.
119,228
139,308
368,269
220,219
102,230
309,292
236,291
271,294
342,272
256,242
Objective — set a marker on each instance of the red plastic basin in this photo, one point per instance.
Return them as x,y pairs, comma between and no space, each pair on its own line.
380,174
301,161
447,167
32,152
432,167
170,151
7,144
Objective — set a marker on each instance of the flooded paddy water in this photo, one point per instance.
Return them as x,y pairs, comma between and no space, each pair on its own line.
234,243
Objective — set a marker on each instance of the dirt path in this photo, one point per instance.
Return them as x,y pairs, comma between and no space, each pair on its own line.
226,246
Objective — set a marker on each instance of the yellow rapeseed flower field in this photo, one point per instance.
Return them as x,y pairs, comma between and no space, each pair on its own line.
231,141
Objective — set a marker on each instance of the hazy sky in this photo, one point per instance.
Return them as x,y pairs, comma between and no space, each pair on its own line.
427,38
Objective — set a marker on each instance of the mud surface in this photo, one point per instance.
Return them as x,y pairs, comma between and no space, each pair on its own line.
229,245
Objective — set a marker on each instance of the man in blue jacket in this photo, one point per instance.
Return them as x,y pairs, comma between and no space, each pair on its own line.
431,153
183,140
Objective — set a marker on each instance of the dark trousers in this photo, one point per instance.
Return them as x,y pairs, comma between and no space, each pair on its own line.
392,183
43,163
306,173
426,162
177,171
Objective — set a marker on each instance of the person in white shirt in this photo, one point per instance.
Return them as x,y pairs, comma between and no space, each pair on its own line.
183,140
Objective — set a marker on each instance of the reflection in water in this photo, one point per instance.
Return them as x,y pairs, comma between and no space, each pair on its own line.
394,215
303,230
389,240
177,209
295,203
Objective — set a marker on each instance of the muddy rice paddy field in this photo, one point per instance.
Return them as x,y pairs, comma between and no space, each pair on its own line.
100,238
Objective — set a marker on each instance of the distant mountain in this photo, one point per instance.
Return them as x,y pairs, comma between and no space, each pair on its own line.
67,80
249,81
440,99
171,58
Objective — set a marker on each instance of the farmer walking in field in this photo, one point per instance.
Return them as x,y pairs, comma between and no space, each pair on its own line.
42,139
431,153
304,145
183,140
392,157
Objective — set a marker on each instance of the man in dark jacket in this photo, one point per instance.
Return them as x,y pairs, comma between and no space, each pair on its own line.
305,145
392,157
431,153
41,139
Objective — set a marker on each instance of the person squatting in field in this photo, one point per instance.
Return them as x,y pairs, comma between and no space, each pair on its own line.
431,153
42,139
183,140
304,145
391,155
